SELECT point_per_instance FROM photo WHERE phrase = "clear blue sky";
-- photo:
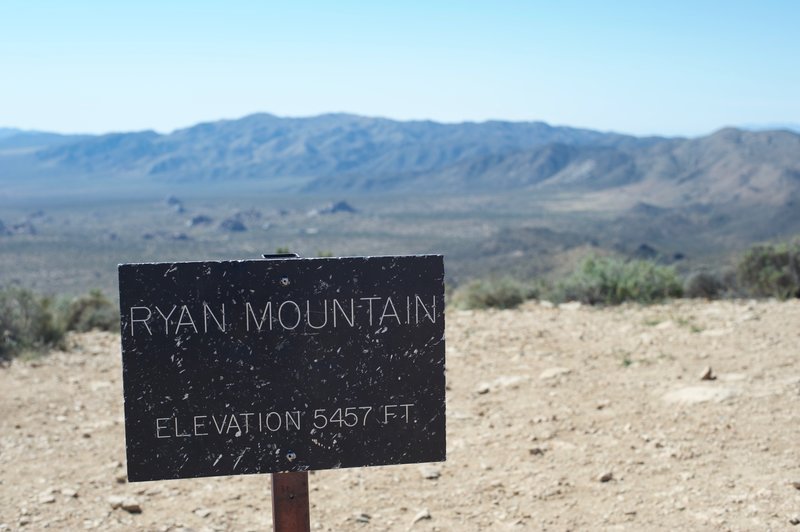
(676, 68)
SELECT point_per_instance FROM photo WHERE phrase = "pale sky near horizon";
(676, 68)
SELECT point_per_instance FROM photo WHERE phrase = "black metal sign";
(264, 366)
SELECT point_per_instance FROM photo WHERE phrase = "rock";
(482, 388)
(115, 501)
(708, 374)
(24, 228)
(645, 252)
(795, 520)
(46, 498)
(131, 506)
(507, 381)
(232, 225)
(795, 484)
(362, 517)
(572, 305)
(251, 215)
(606, 477)
(202, 512)
(552, 373)
(128, 504)
(200, 219)
(699, 394)
(121, 478)
(546, 304)
(69, 492)
(536, 451)
(337, 207)
(429, 472)
(421, 515)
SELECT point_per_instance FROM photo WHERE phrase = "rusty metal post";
(290, 510)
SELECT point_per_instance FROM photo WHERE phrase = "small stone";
(24, 520)
(69, 492)
(536, 451)
(606, 477)
(421, 515)
(362, 517)
(795, 520)
(430, 472)
(46, 498)
(708, 374)
(202, 512)
(552, 373)
(115, 501)
(700, 394)
(482, 388)
(121, 478)
(131, 506)
(795, 484)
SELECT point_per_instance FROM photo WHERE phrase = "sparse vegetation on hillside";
(596, 281)
(503, 293)
(91, 311)
(28, 322)
(610, 281)
(704, 285)
(31, 323)
(771, 271)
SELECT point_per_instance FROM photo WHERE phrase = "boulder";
(200, 219)
(338, 207)
(232, 225)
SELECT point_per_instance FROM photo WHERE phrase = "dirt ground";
(569, 418)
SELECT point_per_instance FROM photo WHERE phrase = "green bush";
(703, 285)
(612, 281)
(91, 311)
(28, 322)
(501, 293)
(771, 271)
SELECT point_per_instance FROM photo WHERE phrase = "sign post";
(290, 504)
(282, 366)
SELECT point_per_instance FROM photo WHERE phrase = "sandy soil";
(568, 418)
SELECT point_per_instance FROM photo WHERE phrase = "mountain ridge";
(338, 152)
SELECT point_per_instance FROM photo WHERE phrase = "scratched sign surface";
(262, 366)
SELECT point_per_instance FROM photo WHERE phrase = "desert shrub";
(91, 311)
(771, 271)
(612, 281)
(703, 285)
(28, 322)
(501, 293)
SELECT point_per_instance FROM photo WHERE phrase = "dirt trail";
(568, 418)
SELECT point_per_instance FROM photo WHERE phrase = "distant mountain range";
(338, 153)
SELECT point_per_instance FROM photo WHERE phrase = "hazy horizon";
(749, 126)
